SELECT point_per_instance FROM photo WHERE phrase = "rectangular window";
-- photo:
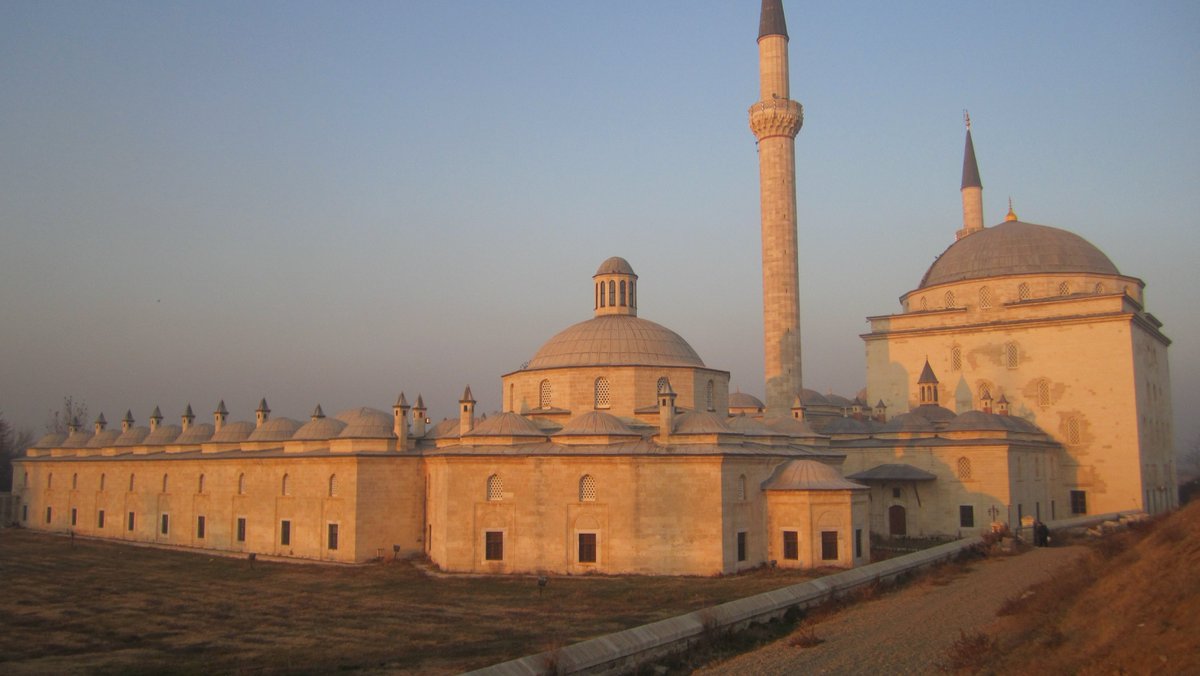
(829, 545)
(241, 529)
(791, 545)
(24, 512)
(49, 514)
(200, 528)
(165, 527)
(1037, 511)
(285, 533)
(333, 536)
(966, 516)
(73, 515)
(587, 547)
(1079, 502)
(131, 521)
(1020, 514)
(100, 519)
(1051, 510)
(493, 545)
(742, 546)
(858, 543)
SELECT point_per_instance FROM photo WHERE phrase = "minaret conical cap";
(317, 413)
(262, 406)
(970, 174)
(401, 401)
(771, 21)
(156, 415)
(467, 395)
(927, 376)
(128, 417)
(221, 408)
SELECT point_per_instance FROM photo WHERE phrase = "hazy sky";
(333, 202)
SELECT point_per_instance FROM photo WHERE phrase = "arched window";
(623, 293)
(495, 488)
(602, 399)
(1012, 355)
(612, 293)
(1064, 289)
(1099, 288)
(956, 358)
(74, 481)
(50, 480)
(708, 395)
(985, 298)
(1023, 291)
(964, 468)
(587, 488)
(632, 294)
(241, 484)
(103, 480)
(597, 290)
(1043, 392)
(741, 487)
(131, 482)
(600, 291)
(164, 490)
(544, 393)
(284, 487)
(949, 299)
(25, 481)
(1073, 430)
(662, 384)
(200, 484)
(333, 485)
(924, 303)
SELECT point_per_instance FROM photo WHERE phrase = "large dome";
(616, 340)
(1017, 248)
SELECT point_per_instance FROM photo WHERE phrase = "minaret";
(775, 121)
(972, 188)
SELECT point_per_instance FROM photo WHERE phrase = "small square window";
(791, 545)
(1079, 502)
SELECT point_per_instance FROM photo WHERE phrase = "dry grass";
(1132, 606)
(103, 607)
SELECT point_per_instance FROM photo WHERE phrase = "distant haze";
(333, 202)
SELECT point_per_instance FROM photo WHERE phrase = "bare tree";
(58, 422)
(12, 444)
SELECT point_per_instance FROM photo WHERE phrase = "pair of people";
(1041, 534)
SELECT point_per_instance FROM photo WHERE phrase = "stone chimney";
(466, 412)
(127, 421)
(317, 414)
(100, 423)
(797, 408)
(1002, 405)
(155, 418)
(666, 412)
(400, 423)
(881, 412)
(419, 411)
(985, 402)
(186, 420)
(262, 413)
(219, 416)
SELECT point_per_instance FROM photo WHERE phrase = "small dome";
(51, 440)
(596, 423)
(275, 429)
(792, 427)
(616, 340)
(165, 434)
(838, 400)
(847, 426)
(934, 414)
(78, 439)
(133, 436)
(321, 428)
(506, 425)
(446, 429)
(700, 423)
(751, 427)
(104, 439)
(1017, 248)
(234, 431)
(813, 398)
(808, 475)
(978, 420)
(615, 265)
(195, 434)
(743, 400)
(908, 422)
(366, 423)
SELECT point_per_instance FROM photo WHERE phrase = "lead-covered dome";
(616, 340)
(1017, 248)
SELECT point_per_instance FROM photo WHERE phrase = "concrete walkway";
(907, 632)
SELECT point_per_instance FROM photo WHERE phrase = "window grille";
(966, 516)
(333, 491)
(623, 302)
(708, 395)
(587, 547)
(612, 294)
(1043, 392)
(949, 299)
(829, 545)
(332, 541)
(1073, 431)
(544, 394)
(741, 487)
(924, 303)
(1064, 289)
(493, 545)
(495, 488)
(1099, 289)
(985, 298)
(964, 468)
(587, 488)
(662, 384)
(1012, 355)
(1023, 291)
(602, 393)
(956, 358)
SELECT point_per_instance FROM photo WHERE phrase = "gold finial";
(967, 119)
(1012, 216)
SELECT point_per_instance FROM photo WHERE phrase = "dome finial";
(1012, 215)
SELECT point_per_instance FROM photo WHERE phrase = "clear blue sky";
(333, 202)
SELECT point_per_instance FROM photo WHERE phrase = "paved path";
(907, 632)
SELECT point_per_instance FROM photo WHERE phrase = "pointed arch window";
(1012, 355)
(708, 395)
(284, 488)
(612, 293)
(495, 488)
(633, 294)
(587, 488)
(956, 358)
(200, 484)
(623, 301)
(165, 483)
(600, 293)
(1073, 431)
(985, 298)
(1043, 392)
(964, 468)
(241, 488)
(333, 487)
(1023, 291)
(662, 384)
(602, 394)
(949, 299)
(544, 394)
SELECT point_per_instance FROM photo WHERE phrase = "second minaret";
(775, 120)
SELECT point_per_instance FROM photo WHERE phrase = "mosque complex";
(1022, 378)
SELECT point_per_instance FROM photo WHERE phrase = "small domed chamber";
(134, 436)
(596, 427)
(366, 423)
(234, 432)
(808, 475)
(751, 427)
(748, 404)
(702, 422)
(275, 429)
(907, 423)
(319, 429)
(503, 429)
(615, 288)
(104, 439)
(196, 433)
(163, 435)
(51, 440)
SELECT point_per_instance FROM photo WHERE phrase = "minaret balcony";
(776, 117)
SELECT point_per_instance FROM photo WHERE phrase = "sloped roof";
(892, 472)
(808, 475)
